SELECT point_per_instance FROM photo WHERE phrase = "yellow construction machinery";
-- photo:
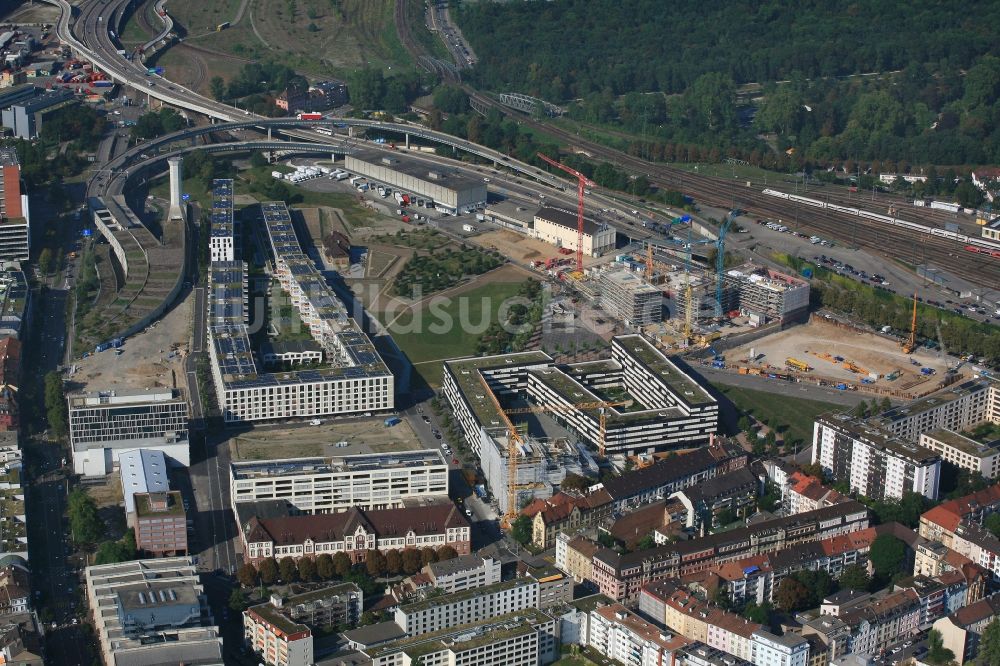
(795, 363)
(911, 344)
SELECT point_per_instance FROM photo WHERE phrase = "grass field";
(419, 335)
(794, 416)
(315, 36)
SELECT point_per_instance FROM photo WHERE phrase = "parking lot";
(332, 437)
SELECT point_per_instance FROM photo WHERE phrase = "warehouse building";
(24, 117)
(451, 191)
(353, 377)
(630, 299)
(874, 462)
(774, 295)
(222, 241)
(559, 227)
(105, 424)
(15, 218)
(331, 485)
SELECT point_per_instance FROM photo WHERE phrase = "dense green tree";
(288, 571)
(393, 563)
(111, 552)
(85, 523)
(521, 530)
(375, 563)
(324, 567)
(45, 261)
(55, 404)
(268, 571)
(989, 644)
(307, 569)
(761, 614)
(937, 653)
(887, 555)
(854, 577)
(428, 555)
(217, 87)
(247, 575)
(411, 561)
(446, 553)
(792, 595)
(341, 564)
(237, 601)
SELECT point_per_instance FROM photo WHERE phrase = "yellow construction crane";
(601, 406)
(911, 344)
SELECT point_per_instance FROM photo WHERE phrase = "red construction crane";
(582, 183)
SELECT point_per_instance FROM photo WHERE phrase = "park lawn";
(794, 416)
(426, 348)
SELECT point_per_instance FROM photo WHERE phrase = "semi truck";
(310, 116)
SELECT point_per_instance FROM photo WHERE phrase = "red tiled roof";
(941, 515)
(949, 514)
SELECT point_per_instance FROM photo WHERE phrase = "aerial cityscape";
(499, 333)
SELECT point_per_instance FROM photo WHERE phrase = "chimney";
(176, 200)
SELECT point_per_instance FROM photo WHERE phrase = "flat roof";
(466, 374)
(628, 281)
(142, 471)
(567, 219)
(935, 400)
(175, 505)
(963, 443)
(339, 464)
(865, 431)
(221, 215)
(433, 174)
(685, 386)
(521, 211)
(457, 597)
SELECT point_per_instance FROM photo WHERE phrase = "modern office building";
(630, 299)
(160, 524)
(152, 612)
(222, 238)
(527, 637)
(874, 462)
(451, 191)
(473, 605)
(331, 485)
(957, 408)
(352, 379)
(421, 525)
(15, 218)
(141, 471)
(774, 295)
(964, 452)
(280, 630)
(104, 424)
(559, 227)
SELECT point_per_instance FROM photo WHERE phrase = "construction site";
(825, 351)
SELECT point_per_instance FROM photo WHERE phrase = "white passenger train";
(990, 246)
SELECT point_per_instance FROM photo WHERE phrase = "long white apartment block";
(473, 605)
(874, 462)
(222, 237)
(957, 408)
(352, 378)
(332, 485)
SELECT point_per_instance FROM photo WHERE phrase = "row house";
(962, 630)
(940, 522)
(867, 627)
(564, 511)
(620, 576)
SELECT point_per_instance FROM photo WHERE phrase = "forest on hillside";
(671, 73)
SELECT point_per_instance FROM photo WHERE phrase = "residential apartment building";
(15, 217)
(786, 650)
(353, 378)
(521, 638)
(575, 556)
(280, 631)
(424, 525)
(681, 611)
(957, 408)
(964, 452)
(734, 492)
(619, 634)
(152, 612)
(620, 576)
(222, 238)
(875, 463)
(630, 299)
(474, 605)
(160, 524)
(559, 227)
(807, 493)
(980, 546)
(676, 410)
(700, 654)
(330, 485)
(466, 572)
(962, 630)
(940, 522)
(104, 424)
(563, 511)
